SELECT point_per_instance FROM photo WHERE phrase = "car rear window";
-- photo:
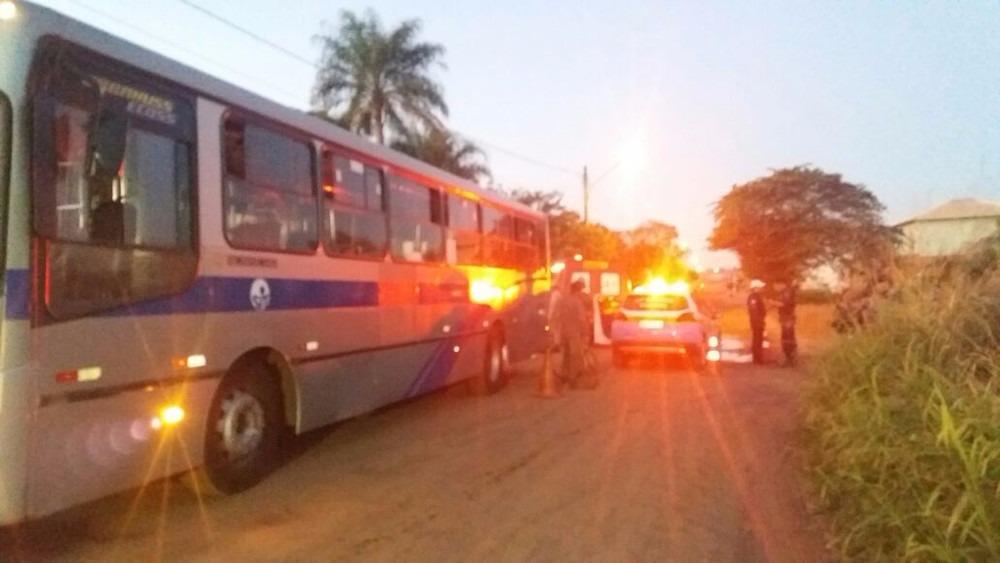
(656, 303)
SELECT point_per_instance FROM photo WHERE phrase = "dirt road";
(655, 465)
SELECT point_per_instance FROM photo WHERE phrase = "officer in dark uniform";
(786, 318)
(573, 326)
(757, 311)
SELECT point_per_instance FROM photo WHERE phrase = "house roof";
(962, 208)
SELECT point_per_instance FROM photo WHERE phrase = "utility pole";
(586, 196)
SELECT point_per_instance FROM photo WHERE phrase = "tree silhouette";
(375, 82)
(797, 219)
(446, 151)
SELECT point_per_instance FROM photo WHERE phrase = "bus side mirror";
(108, 145)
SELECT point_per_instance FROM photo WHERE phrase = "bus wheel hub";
(241, 424)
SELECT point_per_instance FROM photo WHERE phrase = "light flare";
(8, 10)
(660, 286)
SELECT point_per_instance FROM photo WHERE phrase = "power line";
(183, 49)
(249, 33)
(299, 58)
(289, 53)
(522, 157)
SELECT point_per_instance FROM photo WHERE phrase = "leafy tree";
(654, 233)
(652, 249)
(797, 219)
(447, 151)
(375, 81)
(569, 235)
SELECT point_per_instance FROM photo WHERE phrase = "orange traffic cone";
(548, 387)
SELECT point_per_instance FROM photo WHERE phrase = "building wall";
(945, 236)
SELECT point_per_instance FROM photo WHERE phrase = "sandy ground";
(657, 464)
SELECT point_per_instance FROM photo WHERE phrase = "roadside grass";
(903, 421)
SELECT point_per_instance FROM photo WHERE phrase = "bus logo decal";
(260, 294)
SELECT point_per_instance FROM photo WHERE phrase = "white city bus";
(190, 271)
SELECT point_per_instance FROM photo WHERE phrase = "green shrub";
(904, 421)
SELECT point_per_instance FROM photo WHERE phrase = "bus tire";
(494, 374)
(244, 429)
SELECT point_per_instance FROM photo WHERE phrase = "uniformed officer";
(573, 327)
(786, 318)
(757, 311)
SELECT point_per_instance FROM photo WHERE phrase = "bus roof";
(48, 22)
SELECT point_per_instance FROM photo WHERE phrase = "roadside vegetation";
(904, 421)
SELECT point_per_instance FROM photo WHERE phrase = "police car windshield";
(656, 303)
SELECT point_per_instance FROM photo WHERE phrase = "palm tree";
(442, 148)
(376, 82)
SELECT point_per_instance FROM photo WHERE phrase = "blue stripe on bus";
(232, 294)
(17, 294)
(438, 366)
(224, 294)
(435, 371)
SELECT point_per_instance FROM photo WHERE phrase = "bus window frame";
(435, 192)
(332, 151)
(476, 230)
(248, 118)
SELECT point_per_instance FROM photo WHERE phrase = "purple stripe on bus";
(232, 294)
(17, 294)
(223, 294)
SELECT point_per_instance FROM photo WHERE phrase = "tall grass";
(904, 421)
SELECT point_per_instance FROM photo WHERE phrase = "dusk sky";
(901, 96)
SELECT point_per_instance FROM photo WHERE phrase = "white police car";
(662, 318)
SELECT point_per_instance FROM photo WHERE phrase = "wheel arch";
(281, 374)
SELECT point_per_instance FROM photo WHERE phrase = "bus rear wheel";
(494, 374)
(243, 436)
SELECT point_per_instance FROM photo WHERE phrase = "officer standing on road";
(757, 311)
(786, 318)
(573, 325)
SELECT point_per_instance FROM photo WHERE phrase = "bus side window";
(498, 238)
(72, 201)
(463, 223)
(526, 252)
(416, 219)
(353, 222)
(269, 196)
